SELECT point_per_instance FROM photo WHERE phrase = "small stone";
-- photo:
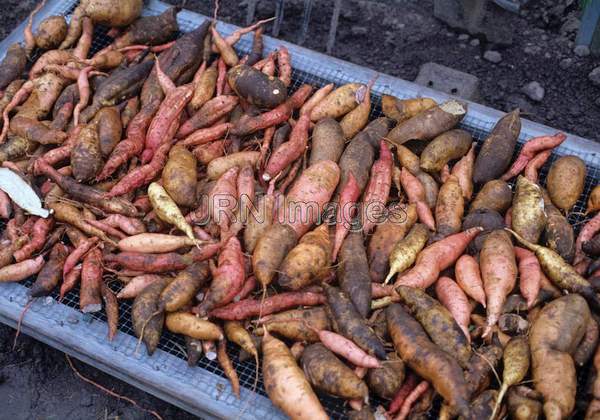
(544, 37)
(463, 37)
(532, 49)
(72, 319)
(359, 30)
(582, 51)
(463, 46)
(547, 55)
(474, 42)
(477, 57)
(550, 115)
(594, 76)
(565, 63)
(534, 91)
(492, 56)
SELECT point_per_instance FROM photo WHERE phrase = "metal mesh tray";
(203, 390)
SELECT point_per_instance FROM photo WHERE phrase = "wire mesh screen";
(316, 75)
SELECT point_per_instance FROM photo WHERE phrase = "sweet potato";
(86, 156)
(12, 65)
(308, 261)
(353, 273)
(339, 102)
(438, 322)
(110, 129)
(378, 189)
(111, 306)
(308, 195)
(21, 270)
(40, 231)
(469, 278)
(91, 282)
(327, 141)
(565, 181)
(237, 334)
(51, 273)
(210, 113)
(424, 357)
(449, 208)
(554, 337)
(270, 251)
(15, 147)
(402, 109)
(497, 150)
(167, 210)
(286, 384)
(587, 232)
(350, 324)
(327, 373)
(51, 32)
(532, 168)
(454, 299)
(530, 274)
(184, 287)
(531, 149)
(593, 202)
(416, 194)
(523, 403)
(70, 214)
(192, 326)
(528, 215)
(448, 146)
(591, 247)
(179, 176)
(494, 195)
(217, 167)
(259, 220)
(256, 87)
(150, 30)
(560, 272)
(204, 89)
(136, 285)
(498, 272)
(387, 380)
(289, 151)
(489, 220)
(297, 324)
(588, 344)
(430, 123)
(405, 251)
(435, 258)
(355, 120)
(357, 158)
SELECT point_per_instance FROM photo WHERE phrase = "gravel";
(492, 56)
(534, 91)
(594, 76)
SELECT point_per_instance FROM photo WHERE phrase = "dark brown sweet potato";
(327, 141)
(179, 176)
(150, 30)
(494, 195)
(12, 65)
(184, 287)
(297, 324)
(488, 219)
(86, 156)
(353, 273)
(51, 273)
(108, 121)
(256, 87)
(387, 380)
(558, 233)
(143, 313)
(447, 146)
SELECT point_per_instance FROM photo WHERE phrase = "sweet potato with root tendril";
(327, 373)
(416, 194)
(353, 273)
(86, 156)
(248, 308)
(270, 251)
(494, 195)
(289, 151)
(437, 257)
(347, 209)
(21, 270)
(167, 210)
(530, 274)
(438, 322)
(256, 87)
(237, 334)
(498, 272)
(39, 235)
(378, 189)
(402, 109)
(297, 324)
(553, 339)
(308, 195)
(286, 384)
(523, 403)
(430, 123)
(67, 213)
(454, 299)
(424, 357)
(91, 282)
(228, 54)
(531, 149)
(468, 278)
(308, 261)
(51, 273)
(192, 326)
(179, 176)
(449, 208)
(227, 278)
(349, 323)
(210, 113)
(147, 321)
(528, 215)
(12, 65)
(338, 103)
(150, 30)
(204, 89)
(405, 250)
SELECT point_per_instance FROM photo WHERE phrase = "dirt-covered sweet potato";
(494, 195)
(339, 102)
(528, 215)
(51, 32)
(497, 150)
(430, 123)
(558, 233)
(424, 357)
(256, 87)
(150, 30)
(110, 129)
(387, 380)
(449, 208)
(328, 373)
(179, 176)
(297, 324)
(488, 219)
(447, 146)
(353, 272)
(308, 261)
(565, 181)
(402, 109)
(86, 156)
(524, 403)
(270, 251)
(144, 314)
(12, 65)
(327, 141)
(554, 337)
(357, 158)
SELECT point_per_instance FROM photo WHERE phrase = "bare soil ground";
(393, 37)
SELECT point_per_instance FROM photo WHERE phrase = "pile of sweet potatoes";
(349, 257)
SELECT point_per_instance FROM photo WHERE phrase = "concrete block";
(449, 80)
